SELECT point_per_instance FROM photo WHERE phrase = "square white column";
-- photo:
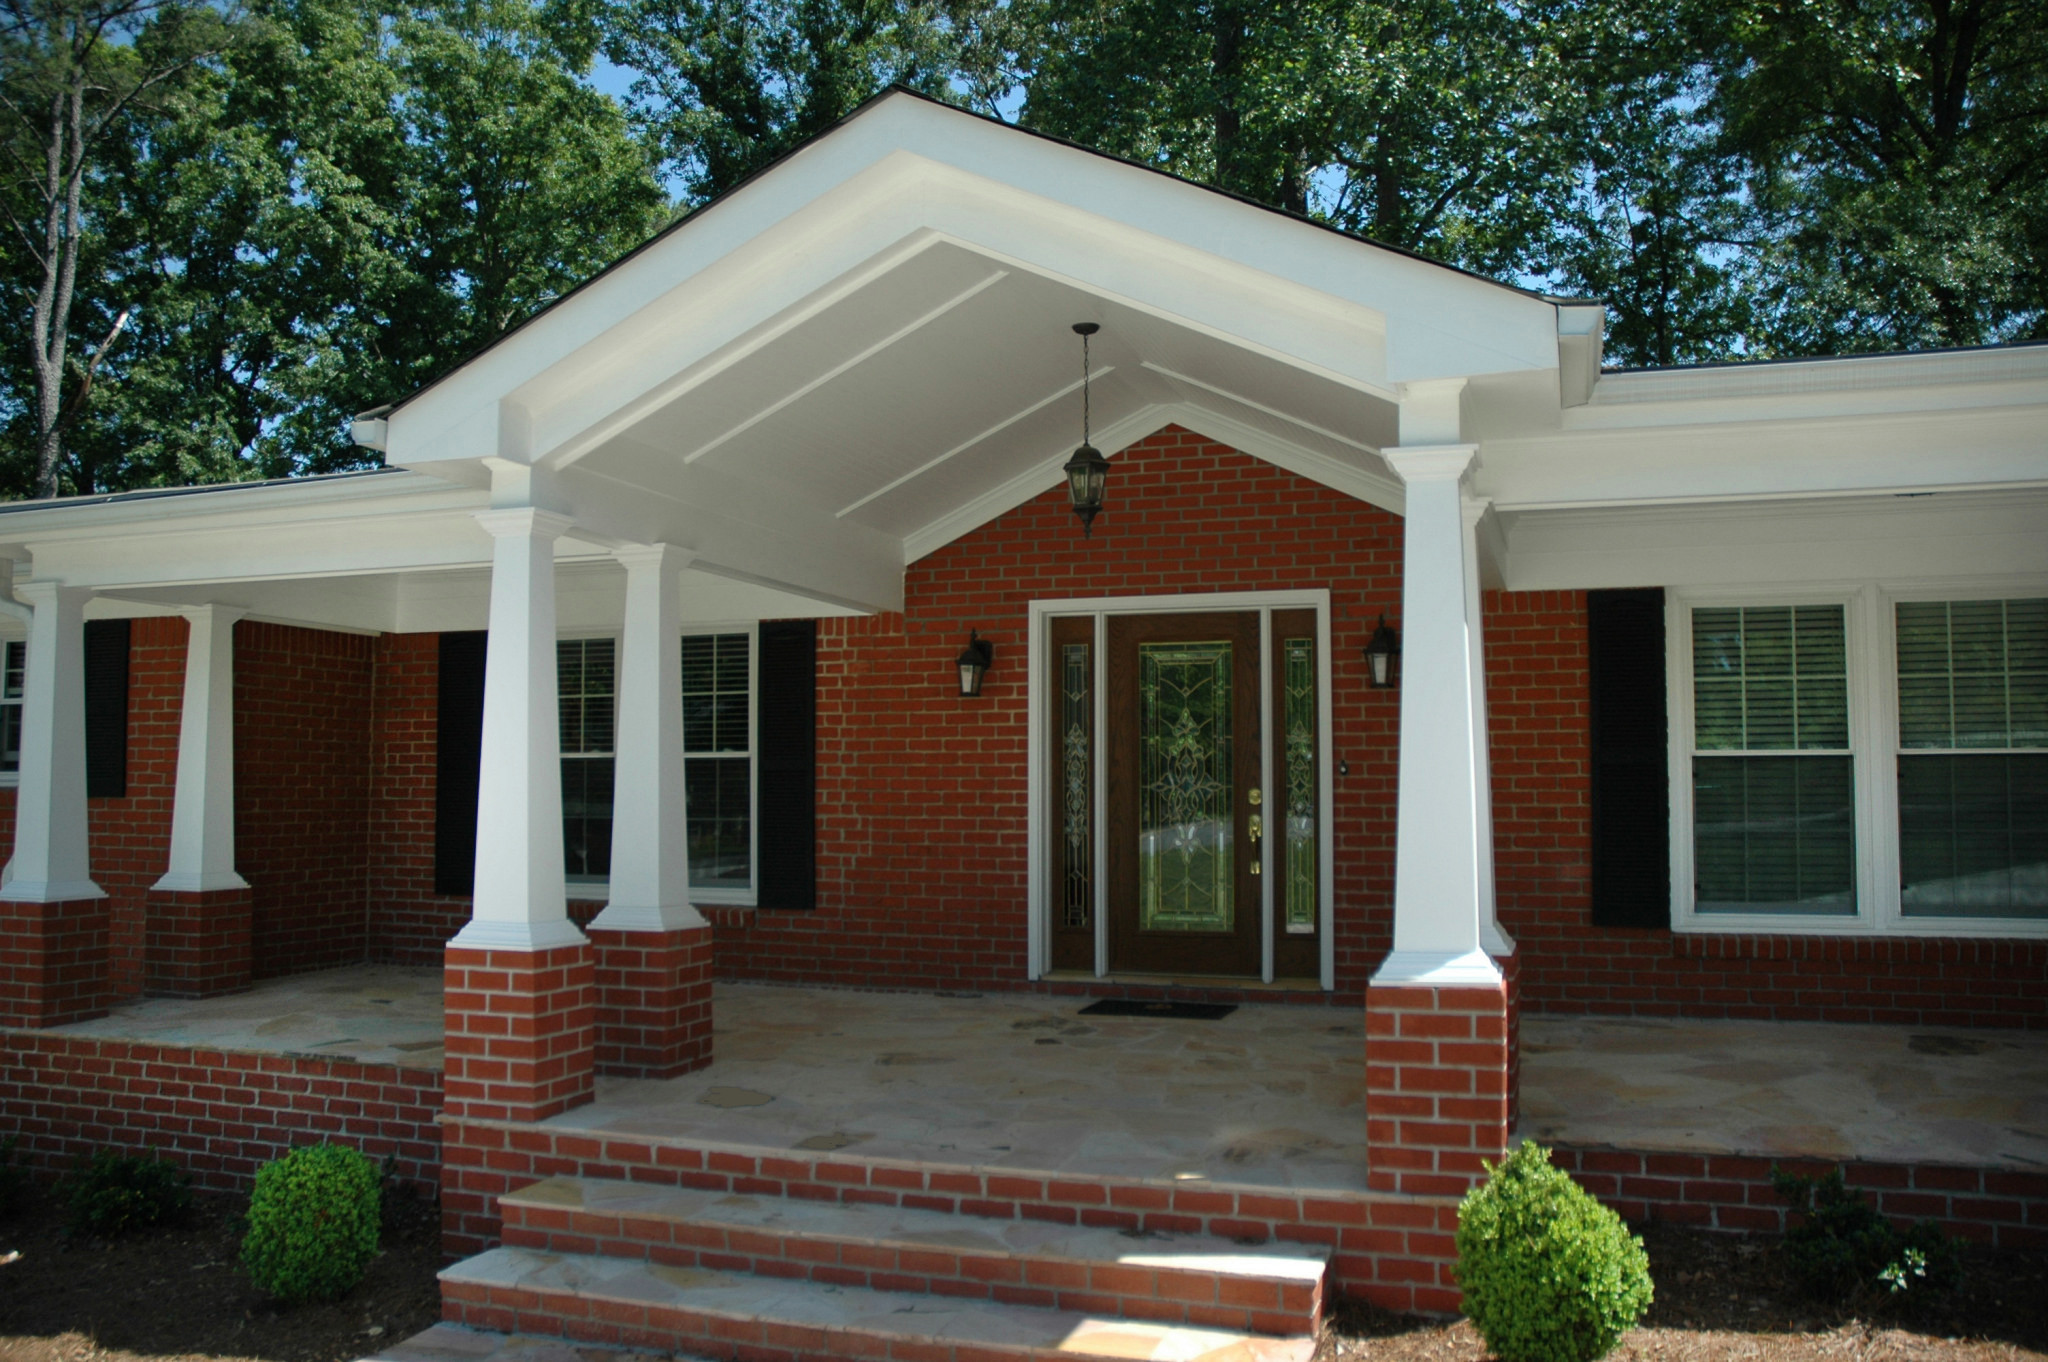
(1443, 834)
(52, 860)
(520, 900)
(203, 817)
(650, 874)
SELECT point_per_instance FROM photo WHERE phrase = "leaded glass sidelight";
(1077, 786)
(1185, 788)
(1298, 723)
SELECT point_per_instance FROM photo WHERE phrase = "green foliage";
(112, 1194)
(1842, 1249)
(1549, 1274)
(313, 1222)
(13, 1177)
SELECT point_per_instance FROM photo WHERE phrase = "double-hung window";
(718, 764)
(13, 675)
(586, 682)
(1873, 763)
(1973, 758)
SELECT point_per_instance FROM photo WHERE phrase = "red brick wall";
(921, 795)
(1536, 700)
(218, 1115)
(408, 921)
(302, 785)
(131, 836)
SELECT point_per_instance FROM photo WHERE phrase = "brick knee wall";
(521, 1031)
(220, 1115)
(1436, 1086)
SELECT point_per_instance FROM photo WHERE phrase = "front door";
(1187, 809)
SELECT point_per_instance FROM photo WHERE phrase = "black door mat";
(1131, 1007)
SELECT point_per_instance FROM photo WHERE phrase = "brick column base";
(197, 943)
(653, 1001)
(53, 962)
(1437, 1066)
(1510, 967)
(520, 1029)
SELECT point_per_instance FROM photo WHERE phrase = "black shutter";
(787, 731)
(106, 708)
(1631, 790)
(458, 752)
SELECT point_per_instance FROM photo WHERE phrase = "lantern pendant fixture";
(1087, 472)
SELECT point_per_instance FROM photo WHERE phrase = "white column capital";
(660, 557)
(1431, 463)
(219, 614)
(504, 522)
(45, 592)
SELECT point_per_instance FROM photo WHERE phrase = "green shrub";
(13, 1178)
(312, 1223)
(111, 1194)
(1549, 1274)
(1841, 1249)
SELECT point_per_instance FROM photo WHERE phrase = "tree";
(727, 86)
(75, 76)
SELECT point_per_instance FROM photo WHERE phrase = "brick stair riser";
(633, 1324)
(1161, 1295)
(1393, 1250)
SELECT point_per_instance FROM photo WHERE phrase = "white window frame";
(1870, 621)
(1041, 792)
(589, 888)
(750, 896)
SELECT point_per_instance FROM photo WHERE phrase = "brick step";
(1266, 1288)
(636, 1303)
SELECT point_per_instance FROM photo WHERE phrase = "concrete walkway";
(1270, 1094)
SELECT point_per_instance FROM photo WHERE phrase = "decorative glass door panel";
(1296, 780)
(1183, 749)
(1185, 789)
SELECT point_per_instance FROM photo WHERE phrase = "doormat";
(1130, 1007)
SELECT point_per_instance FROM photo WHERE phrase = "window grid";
(718, 760)
(586, 681)
(13, 677)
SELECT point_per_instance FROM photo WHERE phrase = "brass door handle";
(1258, 828)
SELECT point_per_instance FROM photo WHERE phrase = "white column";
(203, 816)
(1442, 821)
(51, 861)
(650, 875)
(520, 898)
(1496, 942)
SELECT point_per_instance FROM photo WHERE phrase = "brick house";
(1720, 692)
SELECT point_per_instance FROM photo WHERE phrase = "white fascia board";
(1947, 536)
(1855, 379)
(2000, 446)
(906, 167)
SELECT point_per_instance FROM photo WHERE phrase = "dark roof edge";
(1819, 359)
(154, 493)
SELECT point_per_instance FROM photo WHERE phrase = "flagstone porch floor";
(1268, 1096)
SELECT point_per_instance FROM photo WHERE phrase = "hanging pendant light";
(1087, 472)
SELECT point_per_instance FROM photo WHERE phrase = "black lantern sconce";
(1382, 654)
(974, 662)
(1087, 472)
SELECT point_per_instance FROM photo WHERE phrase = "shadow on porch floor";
(1267, 1096)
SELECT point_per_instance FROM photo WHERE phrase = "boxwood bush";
(1841, 1249)
(111, 1194)
(1549, 1274)
(313, 1222)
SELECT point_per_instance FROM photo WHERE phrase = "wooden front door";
(1187, 807)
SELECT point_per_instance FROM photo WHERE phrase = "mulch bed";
(180, 1291)
(1723, 1297)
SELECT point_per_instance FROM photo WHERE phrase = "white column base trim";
(61, 891)
(195, 882)
(482, 934)
(1440, 969)
(1495, 941)
(667, 917)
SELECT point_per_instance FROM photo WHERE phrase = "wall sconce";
(1381, 655)
(974, 662)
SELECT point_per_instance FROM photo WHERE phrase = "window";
(13, 669)
(586, 679)
(1973, 758)
(1875, 763)
(718, 763)
(1772, 774)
